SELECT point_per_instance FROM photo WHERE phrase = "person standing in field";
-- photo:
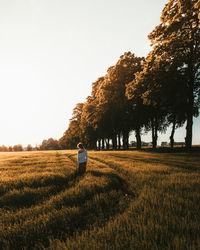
(82, 158)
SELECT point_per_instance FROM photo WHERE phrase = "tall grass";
(126, 200)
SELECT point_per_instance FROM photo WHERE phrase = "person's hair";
(80, 145)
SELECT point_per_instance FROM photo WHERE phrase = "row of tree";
(17, 147)
(50, 144)
(149, 93)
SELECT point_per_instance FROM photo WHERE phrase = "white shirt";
(82, 156)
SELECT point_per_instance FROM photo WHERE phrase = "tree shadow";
(193, 150)
(95, 206)
(166, 160)
(117, 182)
(18, 200)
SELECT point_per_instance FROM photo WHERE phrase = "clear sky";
(52, 50)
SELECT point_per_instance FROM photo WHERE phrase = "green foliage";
(126, 200)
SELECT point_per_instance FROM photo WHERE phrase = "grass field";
(126, 200)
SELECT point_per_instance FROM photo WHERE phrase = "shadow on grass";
(117, 183)
(84, 194)
(92, 207)
(14, 197)
(96, 212)
(166, 160)
(193, 150)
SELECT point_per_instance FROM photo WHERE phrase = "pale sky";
(52, 50)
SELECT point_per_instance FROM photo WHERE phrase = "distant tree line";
(49, 144)
(15, 148)
(149, 93)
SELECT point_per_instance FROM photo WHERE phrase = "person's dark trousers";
(82, 168)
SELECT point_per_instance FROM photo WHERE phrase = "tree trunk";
(107, 143)
(172, 133)
(103, 144)
(94, 146)
(114, 142)
(124, 140)
(138, 138)
(188, 138)
(154, 132)
(99, 144)
(119, 141)
(191, 74)
(127, 141)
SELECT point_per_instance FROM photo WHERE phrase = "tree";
(17, 147)
(50, 144)
(107, 113)
(88, 122)
(177, 41)
(112, 99)
(29, 147)
(148, 113)
(162, 89)
(72, 135)
(3, 148)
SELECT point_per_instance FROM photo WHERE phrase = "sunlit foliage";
(146, 94)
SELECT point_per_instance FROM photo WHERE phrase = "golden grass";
(126, 200)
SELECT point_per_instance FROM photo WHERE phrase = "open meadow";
(126, 200)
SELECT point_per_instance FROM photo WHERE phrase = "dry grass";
(126, 200)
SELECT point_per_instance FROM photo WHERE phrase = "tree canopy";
(149, 93)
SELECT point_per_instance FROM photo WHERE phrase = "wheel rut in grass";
(124, 175)
(121, 175)
(31, 192)
(71, 157)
